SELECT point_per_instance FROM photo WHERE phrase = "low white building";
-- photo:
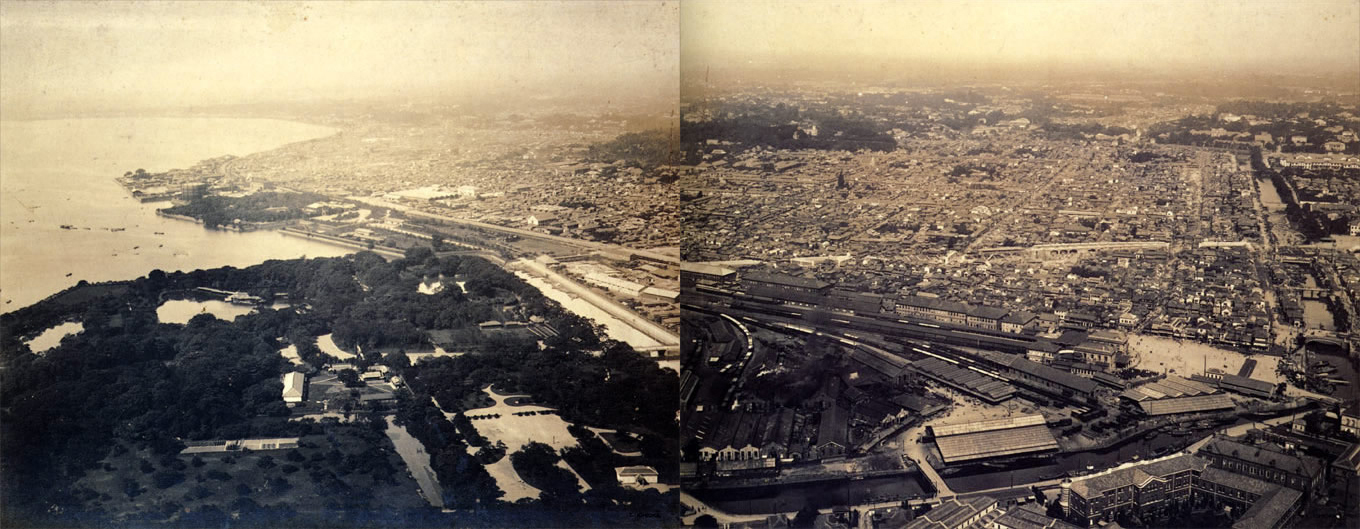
(294, 387)
(636, 475)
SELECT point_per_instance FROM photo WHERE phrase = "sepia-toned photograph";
(339, 264)
(1005, 265)
(918, 264)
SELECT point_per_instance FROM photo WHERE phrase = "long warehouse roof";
(945, 430)
(996, 443)
(1217, 401)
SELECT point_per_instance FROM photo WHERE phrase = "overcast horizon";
(77, 57)
(978, 39)
(60, 56)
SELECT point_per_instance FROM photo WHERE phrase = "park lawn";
(519, 430)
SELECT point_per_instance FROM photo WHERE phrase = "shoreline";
(664, 338)
(289, 231)
(158, 115)
(665, 344)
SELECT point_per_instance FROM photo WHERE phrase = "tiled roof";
(996, 443)
(1235, 481)
(945, 430)
(784, 280)
(1263, 455)
(1137, 474)
(933, 303)
(1023, 365)
(1266, 512)
(952, 513)
(1201, 403)
(1029, 517)
(1248, 383)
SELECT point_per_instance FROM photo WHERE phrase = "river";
(56, 172)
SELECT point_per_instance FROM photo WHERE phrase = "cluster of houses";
(758, 436)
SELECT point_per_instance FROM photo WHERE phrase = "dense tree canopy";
(146, 384)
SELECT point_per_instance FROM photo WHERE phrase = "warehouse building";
(1247, 386)
(1196, 404)
(1011, 436)
(1169, 387)
(1020, 370)
(785, 283)
(987, 388)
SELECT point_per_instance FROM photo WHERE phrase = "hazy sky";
(72, 55)
(163, 53)
(1207, 36)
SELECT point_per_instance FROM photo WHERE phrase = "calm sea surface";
(61, 172)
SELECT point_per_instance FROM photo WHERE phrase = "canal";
(1345, 369)
(820, 495)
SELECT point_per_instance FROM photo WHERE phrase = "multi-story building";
(1018, 321)
(786, 283)
(1031, 516)
(933, 309)
(1262, 505)
(1350, 417)
(1176, 483)
(1115, 340)
(1097, 353)
(1265, 462)
(956, 514)
(1144, 489)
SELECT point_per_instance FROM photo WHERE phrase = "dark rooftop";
(785, 280)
